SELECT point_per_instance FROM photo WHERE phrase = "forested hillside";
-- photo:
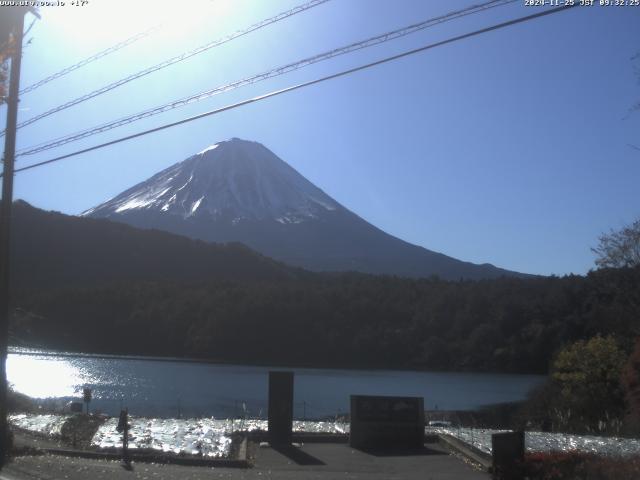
(50, 249)
(508, 325)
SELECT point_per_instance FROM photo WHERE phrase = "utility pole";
(5, 217)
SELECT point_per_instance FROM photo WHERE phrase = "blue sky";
(511, 148)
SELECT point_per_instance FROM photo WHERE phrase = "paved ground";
(312, 461)
(22, 438)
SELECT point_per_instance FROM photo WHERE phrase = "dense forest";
(98, 286)
(49, 249)
(505, 325)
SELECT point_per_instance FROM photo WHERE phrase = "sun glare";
(100, 23)
(42, 377)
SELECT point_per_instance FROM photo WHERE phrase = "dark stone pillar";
(280, 407)
(508, 452)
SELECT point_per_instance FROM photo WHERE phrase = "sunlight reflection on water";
(44, 377)
(167, 388)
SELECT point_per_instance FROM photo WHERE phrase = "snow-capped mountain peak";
(239, 191)
(233, 180)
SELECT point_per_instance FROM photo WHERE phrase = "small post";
(125, 441)
(123, 426)
(86, 395)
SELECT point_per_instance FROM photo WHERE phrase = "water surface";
(150, 387)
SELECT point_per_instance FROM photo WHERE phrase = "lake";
(174, 388)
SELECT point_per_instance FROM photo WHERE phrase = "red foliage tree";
(631, 385)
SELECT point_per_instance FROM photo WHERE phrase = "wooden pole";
(5, 222)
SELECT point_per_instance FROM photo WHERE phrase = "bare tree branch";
(618, 249)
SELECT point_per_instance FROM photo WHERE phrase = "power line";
(92, 58)
(305, 84)
(275, 72)
(174, 60)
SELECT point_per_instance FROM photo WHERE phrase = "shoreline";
(48, 352)
(84, 436)
(81, 435)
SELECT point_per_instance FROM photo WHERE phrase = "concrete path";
(312, 461)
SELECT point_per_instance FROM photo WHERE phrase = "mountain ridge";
(237, 190)
(248, 179)
(53, 249)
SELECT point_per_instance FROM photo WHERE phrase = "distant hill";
(238, 190)
(52, 249)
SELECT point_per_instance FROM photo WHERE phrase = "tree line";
(351, 319)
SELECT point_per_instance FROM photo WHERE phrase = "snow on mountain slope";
(239, 191)
(235, 179)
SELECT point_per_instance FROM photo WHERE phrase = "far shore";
(50, 352)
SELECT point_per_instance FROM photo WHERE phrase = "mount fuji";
(237, 190)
